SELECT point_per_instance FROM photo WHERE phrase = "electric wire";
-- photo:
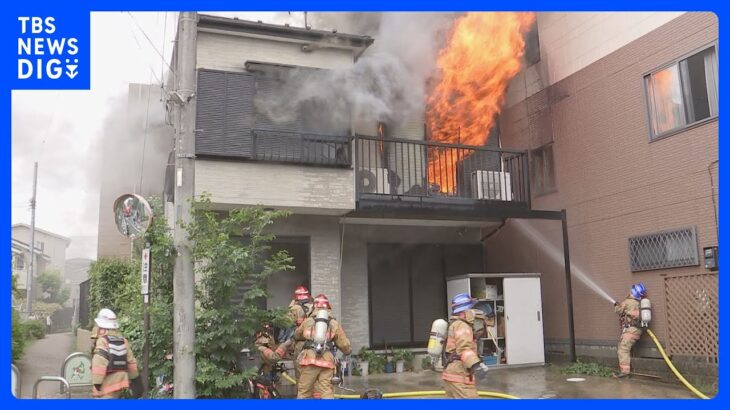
(144, 33)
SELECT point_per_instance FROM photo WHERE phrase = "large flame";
(483, 53)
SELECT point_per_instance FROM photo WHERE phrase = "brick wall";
(613, 182)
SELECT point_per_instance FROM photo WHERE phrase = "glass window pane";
(666, 104)
(698, 98)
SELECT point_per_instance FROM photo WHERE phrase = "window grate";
(662, 250)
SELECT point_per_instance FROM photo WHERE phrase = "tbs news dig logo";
(42, 54)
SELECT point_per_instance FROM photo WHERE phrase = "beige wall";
(302, 189)
(53, 246)
(572, 41)
(613, 182)
(230, 52)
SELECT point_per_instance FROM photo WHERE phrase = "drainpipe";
(568, 285)
(712, 195)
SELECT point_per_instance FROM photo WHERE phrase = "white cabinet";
(517, 335)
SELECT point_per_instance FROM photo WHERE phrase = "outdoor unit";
(494, 185)
(374, 181)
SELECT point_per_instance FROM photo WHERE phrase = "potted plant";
(364, 356)
(402, 356)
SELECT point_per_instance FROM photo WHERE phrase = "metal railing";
(301, 148)
(406, 168)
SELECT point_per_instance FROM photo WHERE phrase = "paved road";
(44, 357)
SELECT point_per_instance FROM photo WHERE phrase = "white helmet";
(106, 319)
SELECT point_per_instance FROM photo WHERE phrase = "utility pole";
(184, 276)
(31, 265)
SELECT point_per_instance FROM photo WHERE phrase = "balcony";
(301, 148)
(400, 177)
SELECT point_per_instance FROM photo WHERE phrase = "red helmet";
(321, 302)
(301, 293)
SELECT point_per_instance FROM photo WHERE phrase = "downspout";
(568, 285)
(712, 195)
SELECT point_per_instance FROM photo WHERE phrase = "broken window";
(682, 93)
(543, 170)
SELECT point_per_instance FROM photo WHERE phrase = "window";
(662, 250)
(542, 169)
(683, 93)
(18, 262)
(532, 46)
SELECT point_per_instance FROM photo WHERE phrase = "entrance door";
(523, 321)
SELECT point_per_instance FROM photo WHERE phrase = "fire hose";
(674, 369)
(410, 393)
(426, 393)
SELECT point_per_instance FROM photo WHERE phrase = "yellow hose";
(288, 378)
(674, 369)
(426, 393)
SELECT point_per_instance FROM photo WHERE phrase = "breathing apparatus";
(321, 324)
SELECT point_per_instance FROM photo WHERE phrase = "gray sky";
(62, 129)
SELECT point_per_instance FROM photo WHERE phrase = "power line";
(152, 69)
(164, 38)
(149, 40)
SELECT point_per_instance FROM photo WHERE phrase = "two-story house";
(380, 217)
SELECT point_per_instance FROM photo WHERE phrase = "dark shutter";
(225, 113)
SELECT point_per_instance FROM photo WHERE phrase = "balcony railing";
(301, 148)
(400, 168)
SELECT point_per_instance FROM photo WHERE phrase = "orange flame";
(483, 54)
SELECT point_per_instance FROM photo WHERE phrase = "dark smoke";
(386, 84)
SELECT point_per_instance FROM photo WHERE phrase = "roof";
(43, 231)
(21, 247)
(310, 37)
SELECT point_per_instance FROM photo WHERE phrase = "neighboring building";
(137, 142)
(620, 117)
(49, 243)
(77, 271)
(371, 228)
(21, 261)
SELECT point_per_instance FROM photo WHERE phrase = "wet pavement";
(44, 357)
(529, 382)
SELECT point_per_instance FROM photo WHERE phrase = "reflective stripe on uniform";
(313, 361)
(132, 367)
(466, 354)
(98, 370)
(280, 351)
(457, 378)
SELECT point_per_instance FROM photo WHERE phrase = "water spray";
(556, 257)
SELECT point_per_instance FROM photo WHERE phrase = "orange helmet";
(321, 302)
(301, 293)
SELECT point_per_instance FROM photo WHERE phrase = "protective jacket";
(461, 352)
(113, 364)
(630, 316)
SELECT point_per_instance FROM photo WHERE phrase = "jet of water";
(557, 257)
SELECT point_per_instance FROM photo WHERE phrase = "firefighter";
(299, 309)
(630, 317)
(113, 364)
(270, 354)
(321, 333)
(462, 364)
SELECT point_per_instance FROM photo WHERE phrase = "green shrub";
(590, 369)
(19, 336)
(426, 362)
(35, 329)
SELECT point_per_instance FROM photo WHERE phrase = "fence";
(692, 315)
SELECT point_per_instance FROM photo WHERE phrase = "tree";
(233, 259)
(52, 288)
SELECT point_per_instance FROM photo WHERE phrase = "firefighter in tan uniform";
(299, 309)
(463, 365)
(113, 364)
(630, 317)
(321, 333)
(270, 353)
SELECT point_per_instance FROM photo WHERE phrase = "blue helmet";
(638, 291)
(462, 302)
